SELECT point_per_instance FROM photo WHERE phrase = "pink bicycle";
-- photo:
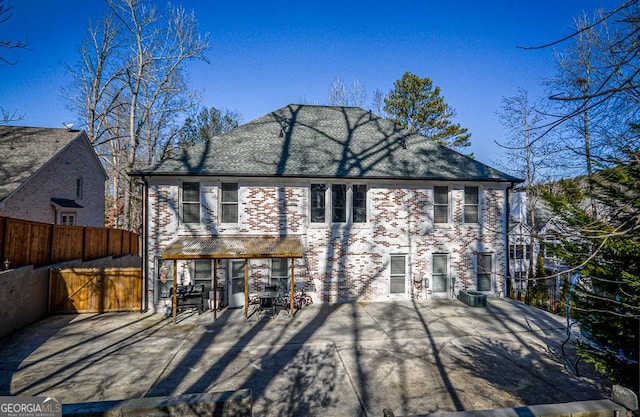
(300, 300)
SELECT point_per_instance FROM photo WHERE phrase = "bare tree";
(598, 89)
(129, 90)
(527, 153)
(358, 94)
(377, 102)
(5, 15)
(338, 93)
(577, 76)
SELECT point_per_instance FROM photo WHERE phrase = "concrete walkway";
(329, 360)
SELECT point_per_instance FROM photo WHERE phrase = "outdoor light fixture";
(6, 263)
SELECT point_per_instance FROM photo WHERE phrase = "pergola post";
(292, 289)
(174, 301)
(246, 288)
(215, 289)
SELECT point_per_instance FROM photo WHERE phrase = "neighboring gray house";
(526, 244)
(50, 175)
(357, 208)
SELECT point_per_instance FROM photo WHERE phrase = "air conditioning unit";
(473, 298)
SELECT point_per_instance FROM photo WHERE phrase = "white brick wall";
(348, 262)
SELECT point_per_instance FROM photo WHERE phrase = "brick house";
(50, 175)
(349, 206)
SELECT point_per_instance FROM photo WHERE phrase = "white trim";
(182, 202)
(445, 293)
(61, 214)
(407, 283)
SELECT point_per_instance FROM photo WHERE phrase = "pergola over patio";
(233, 247)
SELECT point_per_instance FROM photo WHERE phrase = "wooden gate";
(94, 290)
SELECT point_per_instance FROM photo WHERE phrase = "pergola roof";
(235, 247)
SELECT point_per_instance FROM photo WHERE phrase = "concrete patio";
(354, 359)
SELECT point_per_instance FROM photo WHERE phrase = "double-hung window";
(280, 273)
(471, 204)
(202, 274)
(229, 203)
(191, 202)
(440, 204)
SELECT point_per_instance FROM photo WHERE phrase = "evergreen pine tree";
(607, 251)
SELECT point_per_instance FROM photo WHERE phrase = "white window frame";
(314, 204)
(64, 216)
(349, 203)
(489, 273)
(475, 205)
(352, 188)
(393, 275)
(79, 188)
(446, 273)
(199, 266)
(230, 203)
(520, 251)
(436, 204)
(184, 202)
(332, 206)
(280, 281)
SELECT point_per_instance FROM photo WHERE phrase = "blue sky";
(266, 55)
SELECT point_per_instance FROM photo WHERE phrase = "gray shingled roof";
(326, 142)
(24, 150)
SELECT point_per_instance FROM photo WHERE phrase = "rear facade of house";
(379, 213)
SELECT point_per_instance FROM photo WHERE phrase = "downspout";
(144, 306)
(506, 238)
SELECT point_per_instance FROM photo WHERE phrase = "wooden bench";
(189, 296)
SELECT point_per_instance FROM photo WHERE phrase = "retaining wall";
(24, 292)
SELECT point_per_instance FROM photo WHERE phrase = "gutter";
(506, 239)
(144, 301)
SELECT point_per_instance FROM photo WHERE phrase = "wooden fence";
(32, 243)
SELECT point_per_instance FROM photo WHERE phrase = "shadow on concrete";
(355, 359)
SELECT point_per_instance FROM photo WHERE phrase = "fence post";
(109, 253)
(52, 238)
(3, 241)
(84, 243)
